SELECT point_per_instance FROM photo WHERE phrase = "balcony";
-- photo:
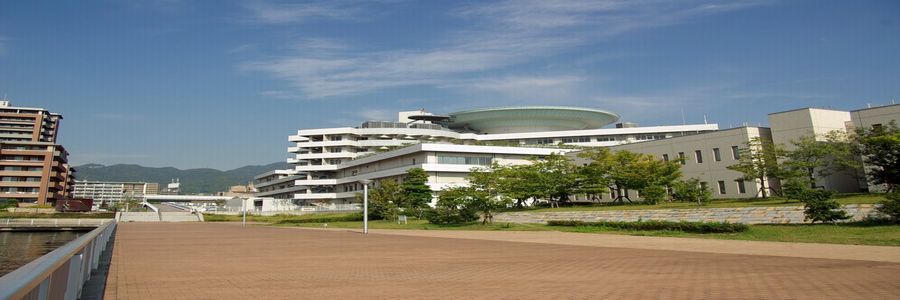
(316, 168)
(310, 182)
(304, 196)
(326, 155)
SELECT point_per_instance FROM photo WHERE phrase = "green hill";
(202, 180)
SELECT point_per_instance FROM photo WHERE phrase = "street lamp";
(365, 183)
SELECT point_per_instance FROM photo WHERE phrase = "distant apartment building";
(111, 191)
(33, 168)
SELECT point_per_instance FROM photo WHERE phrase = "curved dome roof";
(530, 119)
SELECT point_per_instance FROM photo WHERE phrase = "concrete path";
(227, 261)
(804, 250)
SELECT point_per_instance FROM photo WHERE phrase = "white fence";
(60, 274)
(24, 223)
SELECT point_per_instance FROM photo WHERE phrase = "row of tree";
(555, 178)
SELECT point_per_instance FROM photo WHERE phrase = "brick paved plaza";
(226, 261)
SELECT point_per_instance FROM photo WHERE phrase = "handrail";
(60, 274)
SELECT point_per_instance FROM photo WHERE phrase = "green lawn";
(716, 203)
(267, 219)
(854, 234)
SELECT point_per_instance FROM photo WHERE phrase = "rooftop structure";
(529, 119)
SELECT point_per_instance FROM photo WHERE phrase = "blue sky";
(222, 84)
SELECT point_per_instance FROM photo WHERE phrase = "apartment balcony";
(18, 195)
(328, 143)
(310, 182)
(325, 155)
(297, 138)
(316, 168)
(292, 160)
(305, 196)
(20, 183)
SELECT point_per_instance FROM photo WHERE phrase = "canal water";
(19, 248)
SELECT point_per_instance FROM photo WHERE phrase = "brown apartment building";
(33, 168)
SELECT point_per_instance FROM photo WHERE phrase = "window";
(716, 155)
(577, 139)
(336, 138)
(606, 138)
(741, 188)
(721, 187)
(464, 160)
(665, 157)
(699, 156)
(681, 157)
(735, 152)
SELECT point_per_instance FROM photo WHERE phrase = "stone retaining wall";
(746, 215)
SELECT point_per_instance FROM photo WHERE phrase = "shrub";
(690, 191)
(819, 205)
(795, 189)
(323, 219)
(694, 227)
(453, 207)
(653, 194)
(891, 206)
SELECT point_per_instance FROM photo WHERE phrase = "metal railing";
(52, 222)
(60, 274)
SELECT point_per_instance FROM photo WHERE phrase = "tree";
(819, 205)
(128, 202)
(453, 207)
(621, 171)
(417, 195)
(385, 200)
(556, 178)
(813, 157)
(484, 193)
(880, 148)
(891, 206)
(690, 191)
(517, 182)
(759, 162)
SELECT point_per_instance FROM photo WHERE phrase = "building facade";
(320, 155)
(113, 191)
(34, 170)
(874, 117)
(447, 165)
(707, 157)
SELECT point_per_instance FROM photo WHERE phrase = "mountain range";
(203, 180)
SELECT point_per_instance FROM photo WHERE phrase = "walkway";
(226, 261)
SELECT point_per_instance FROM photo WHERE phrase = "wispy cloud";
(504, 35)
(3, 43)
(288, 13)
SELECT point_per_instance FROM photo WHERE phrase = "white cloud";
(504, 35)
(287, 13)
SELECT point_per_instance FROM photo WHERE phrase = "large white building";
(324, 159)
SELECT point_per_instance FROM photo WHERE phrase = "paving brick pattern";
(225, 261)
(746, 215)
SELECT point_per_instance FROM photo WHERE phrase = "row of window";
(741, 186)
(698, 155)
(21, 168)
(22, 157)
(19, 179)
(464, 160)
(19, 190)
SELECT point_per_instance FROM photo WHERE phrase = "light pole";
(365, 183)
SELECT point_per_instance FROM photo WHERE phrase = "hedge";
(324, 219)
(695, 227)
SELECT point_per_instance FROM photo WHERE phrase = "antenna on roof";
(704, 119)
(683, 122)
